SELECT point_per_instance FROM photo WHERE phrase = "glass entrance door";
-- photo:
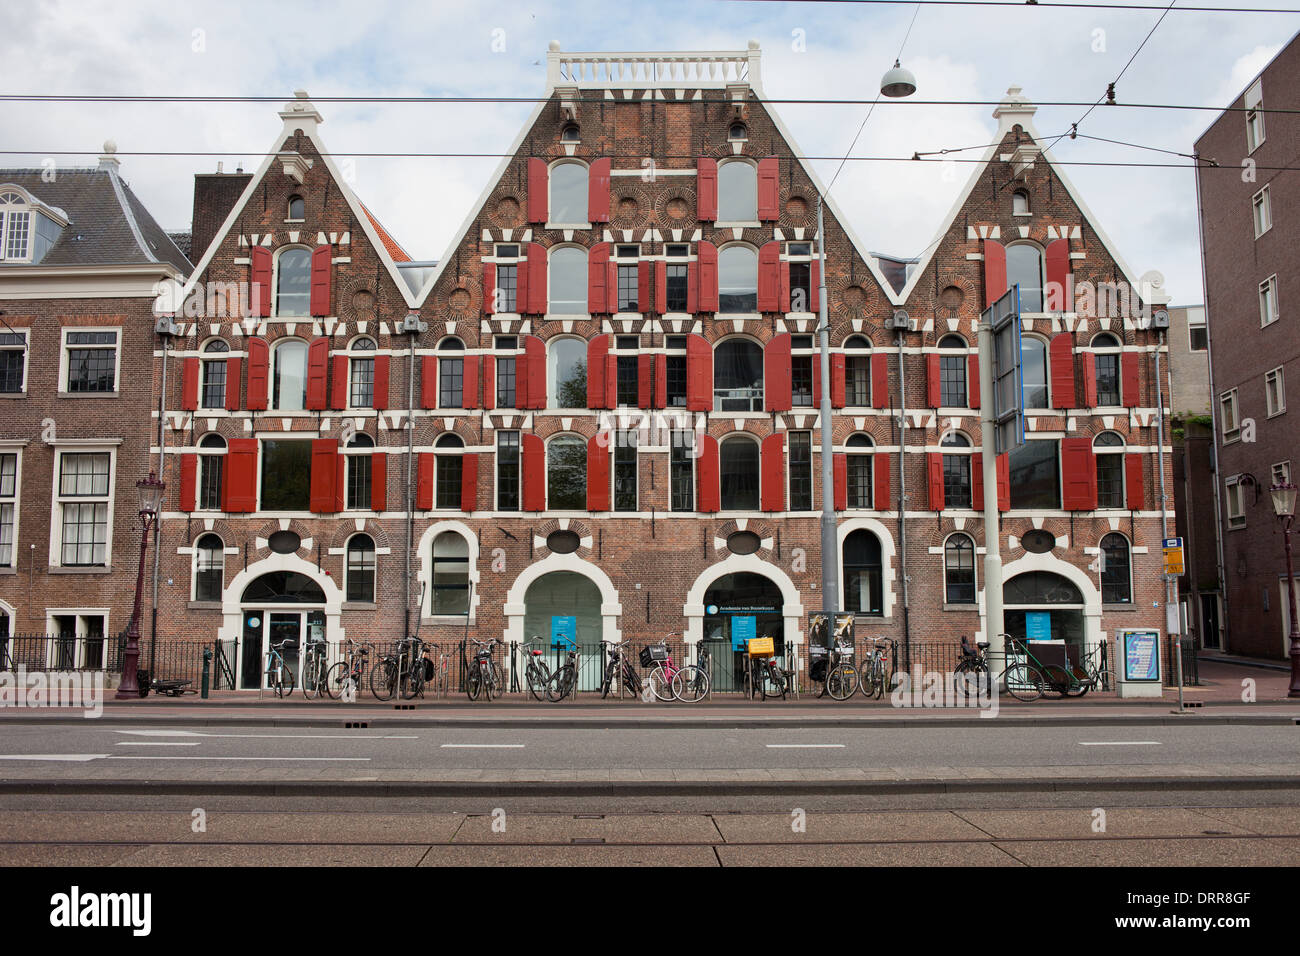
(282, 626)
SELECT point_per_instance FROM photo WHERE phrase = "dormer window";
(297, 209)
(15, 228)
(570, 133)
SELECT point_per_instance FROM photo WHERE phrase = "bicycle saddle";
(982, 645)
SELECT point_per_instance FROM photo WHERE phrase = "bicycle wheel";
(690, 684)
(972, 679)
(334, 679)
(474, 682)
(561, 684)
(313, 676)
(661, 684)
(867, 680)
(883, 679)
(1056, 680)
(841, 681)
(284, 682)
(632, 680)
(608, 681)
(413, 680)
(1024, 682)
(537, 678)
(772, 685)
(383, 679)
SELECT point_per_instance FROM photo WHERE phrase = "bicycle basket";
(761, 645)
(651, 655)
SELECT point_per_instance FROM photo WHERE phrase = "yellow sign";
(1173, 560)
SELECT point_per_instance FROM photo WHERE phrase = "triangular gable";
(394, 248)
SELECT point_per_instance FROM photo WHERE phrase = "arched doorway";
(562, 607)
(1041, 605)
(277, 606)
(737, 607)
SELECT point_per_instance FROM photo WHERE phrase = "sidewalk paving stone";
(1208, 851)
(1077, 823)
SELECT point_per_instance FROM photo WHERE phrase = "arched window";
(1020, 203)
(959, 570)
(1033, 363)
(214, 374)
(738, 376)
(859, 476)
(1025, 268)
(738, 132)
(297, 209)
(737, 192)
(359, 473)
(1116, 583)
(568, 194)
(566, 473)
(15, 228)
(857, 371)
(293, 281)
(290, 387)
(863, 579)
(570, 133)
(211, 465)
(737, 279)
(209, 568)
(738, 473)
(361, 373)
(567, 282)
(568, 378)
(1108, 449)
(451, 374)
(360, 571)
(956, 470)
(1106, 349)
(450, 591)
(449, 464)
(952, 372)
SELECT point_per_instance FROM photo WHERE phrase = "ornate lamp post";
(151, 492)
(1284, 508)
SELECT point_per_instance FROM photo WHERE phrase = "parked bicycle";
(692, 682)
(564, 682)
(1022, 675)
(876, 674)
(617, 664)
(400, 672)
(768, 678)
(315, 670)
(840, 677)
(483, 677)
(537, 674)
(279, 675)
(344, 678)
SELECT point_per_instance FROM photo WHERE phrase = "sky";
(834, 50)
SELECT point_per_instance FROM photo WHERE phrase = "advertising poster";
(743, 629)
(1141, 655)
(564, 631)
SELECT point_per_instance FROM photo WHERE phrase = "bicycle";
(875, 676)
(345, 676)
(662, 669)
(692, 682)
(564, 682)
(441, 680)
(315, 670)
(279, 675)
(537, 674)
(483, 676)
(1096, 668)
(769, 679)
(841, 678)
(398, 672)
(618, 664)
(1023, 679)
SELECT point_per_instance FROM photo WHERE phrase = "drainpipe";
(410, 459)
(157, 525)
(902, 505)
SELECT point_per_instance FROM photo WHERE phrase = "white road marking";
(191, 733)
(330, 759)
(802, 746)
(1121, 743)
(482, 746)
(158, 743)
(76, 757)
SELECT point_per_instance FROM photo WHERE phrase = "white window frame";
(374, 568)
(64, 364)
(1254, 102)
(1280, 472)
(1192, 327)
(1231, 433)
(722, 222)
(26, 347)
(275, 284)
(975, 568)
(196, 551)
(1278, 376)
(553, 377)
(80, 613)
(1261, 212)
(1234, 504)
(1269, 309)
(7, 212)
(565, 438)
(273, 396)
(14, 448)
(57, 501)
(551, 222)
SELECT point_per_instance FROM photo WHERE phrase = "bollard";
(207, 665)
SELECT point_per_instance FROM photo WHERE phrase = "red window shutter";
(1061, 351)
(469, 482)
(232, 384)
(189, 481)
(699, 374)
(1089, 362)
(769, 277)
(769, 194)
(880, 500)
(321, 267)
(708, 496)
(490, 288)
(977, 481)
(429, 381)
(534, 358)
(538, 176)
(706, 189)
(598, 191)
(1078, 475)
(489, 381)
(611, 381)
(1129, 391)
(597, 352)
(598, 454)
(1057, 260)
(381, 382)
(1004, 482)
(816, 381)
(837, 380)
(772, 458)
(536, 287)
(880, 380)
(934, 476)
(692, 287)
(260, 279)
(815, 286)
(425, 464)
(973, 380)
(783, 280)
(840, 470)
(378, 481)
(933, 393)
(318, 358)
(645, 379)
(469, 382)
(339, 384)
(661, 382)
(995, 271)
(598, 291)
(259, 363)
(661, 287)
(239, 480)
(1134, 481)
(708, 258)
(643, 286)
(340, 481)
(324, 470)
(533, 466)
(190, 384)
(776, 374)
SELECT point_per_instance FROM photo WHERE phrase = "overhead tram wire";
(1040, 3)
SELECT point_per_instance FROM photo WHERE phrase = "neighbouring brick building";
(596, 412)
(80, 259)
(1250, 230)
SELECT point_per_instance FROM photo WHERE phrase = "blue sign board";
(1038, 625)
(1141, 655)
(564, 631)
(743, 629)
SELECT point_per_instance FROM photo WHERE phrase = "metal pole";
(1294, 690)
(830, 547)
(129, 688)
(410, 503)
(157, 528)
(993, 618)
(1164, 511)
(902, 504)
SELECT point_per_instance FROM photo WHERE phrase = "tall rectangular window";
(801, 484)
(682, 468)
(506, 366)
(627, 288)
(627, 380)
(1229, 419)
(677, 282)
(1236, 503)
(447, 481)
(1107, 379)
(8, 506)
(952, 381)
(1035, 475)
(508, 471)
(84, 489)
(625, 465)
(359, 482)
(1268, 308)
(800, 287)
(1110, 481)
(857, 381)
(451, 378)
(16, 235)
(956, 481)
(859, 477)
(507, 288)
(675, 371)
(210, 469)
(13, 355)
(286, 475)
(1275, 392)
(91, 361)
(361, 384)
(801, 372)
(1262, 210)
(214, 383)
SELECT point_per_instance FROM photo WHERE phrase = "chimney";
(215, 194)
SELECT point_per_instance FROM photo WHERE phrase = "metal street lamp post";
(151, 491)
(1284, 508)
